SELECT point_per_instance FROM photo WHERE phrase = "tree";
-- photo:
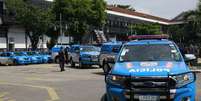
(192, 27)
(34, 19)
(144, 29)
(80, 15)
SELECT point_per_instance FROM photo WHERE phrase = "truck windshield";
(150, 52)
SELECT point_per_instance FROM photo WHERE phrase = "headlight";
(116, 80)
(184, 79)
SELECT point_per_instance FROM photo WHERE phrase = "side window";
(8, 54)
(3, 54)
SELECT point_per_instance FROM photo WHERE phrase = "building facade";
(13, 37)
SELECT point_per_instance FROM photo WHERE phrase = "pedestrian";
(66, 55)
(61, 59)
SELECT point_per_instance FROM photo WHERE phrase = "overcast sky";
(163, 8)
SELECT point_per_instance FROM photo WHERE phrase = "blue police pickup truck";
(150, 70)
(84, 55)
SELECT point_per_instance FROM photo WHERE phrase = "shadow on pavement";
(99, 73)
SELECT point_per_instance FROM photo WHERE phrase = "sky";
(163, 8)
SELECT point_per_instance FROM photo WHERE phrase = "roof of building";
(138, 15)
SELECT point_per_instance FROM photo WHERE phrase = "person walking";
(61, 59)
(66, 55)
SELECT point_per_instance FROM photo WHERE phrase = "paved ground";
(46, 83)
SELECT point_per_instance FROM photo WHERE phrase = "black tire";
(106, 68)
(104, 97)
(15, 62)
(72, 63)
(56, 60)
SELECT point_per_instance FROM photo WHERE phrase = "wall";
(18, 35)
(2, 43)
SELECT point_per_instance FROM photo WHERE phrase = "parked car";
(84, 55)
(16, 58)
(46, 57)
(55, 52)
(109, 51)
(151, 70)
(34, 57)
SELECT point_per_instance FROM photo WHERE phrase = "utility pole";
(60, 24)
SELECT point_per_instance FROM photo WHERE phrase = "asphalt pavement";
(45, 82)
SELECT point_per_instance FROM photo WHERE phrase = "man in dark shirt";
(61, 59)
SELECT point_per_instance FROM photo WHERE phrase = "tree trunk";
(34, 39)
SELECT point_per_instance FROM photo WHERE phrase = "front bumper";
(115, 93)
(89, 61)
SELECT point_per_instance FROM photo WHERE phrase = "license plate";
(148, 98)
(95, 60)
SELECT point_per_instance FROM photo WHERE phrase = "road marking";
(51, 92)
(33, 78)
(3, 94)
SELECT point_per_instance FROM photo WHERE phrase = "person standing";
(66, 55)
(61, 59)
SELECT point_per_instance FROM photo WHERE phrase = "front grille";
(149, 86)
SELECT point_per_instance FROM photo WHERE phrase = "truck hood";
(90, 53)
(164, 68)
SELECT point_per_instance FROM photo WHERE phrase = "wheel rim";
(57, 60)
(71, 62)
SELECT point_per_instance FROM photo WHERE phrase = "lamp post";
(60, 26)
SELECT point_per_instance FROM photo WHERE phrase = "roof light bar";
(134, 37)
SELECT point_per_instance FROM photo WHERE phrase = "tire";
(15, 62)
(104, 97)
(56, 60)
(72, 63)
(106, 68)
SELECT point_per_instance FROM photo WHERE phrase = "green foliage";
(36, 20)
(145, 29)
(190, 31)
(80, 15)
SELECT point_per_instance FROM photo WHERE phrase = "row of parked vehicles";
(149, 68)
(23, 58)
(88, 55)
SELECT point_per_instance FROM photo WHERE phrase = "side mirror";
(189, 57)
(116, 50)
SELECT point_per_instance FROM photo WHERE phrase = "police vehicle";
(109, 52)
(55, 52)
(33, 56)
(84, 55)
(151, 69)
(46, 57)
(13, 58)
